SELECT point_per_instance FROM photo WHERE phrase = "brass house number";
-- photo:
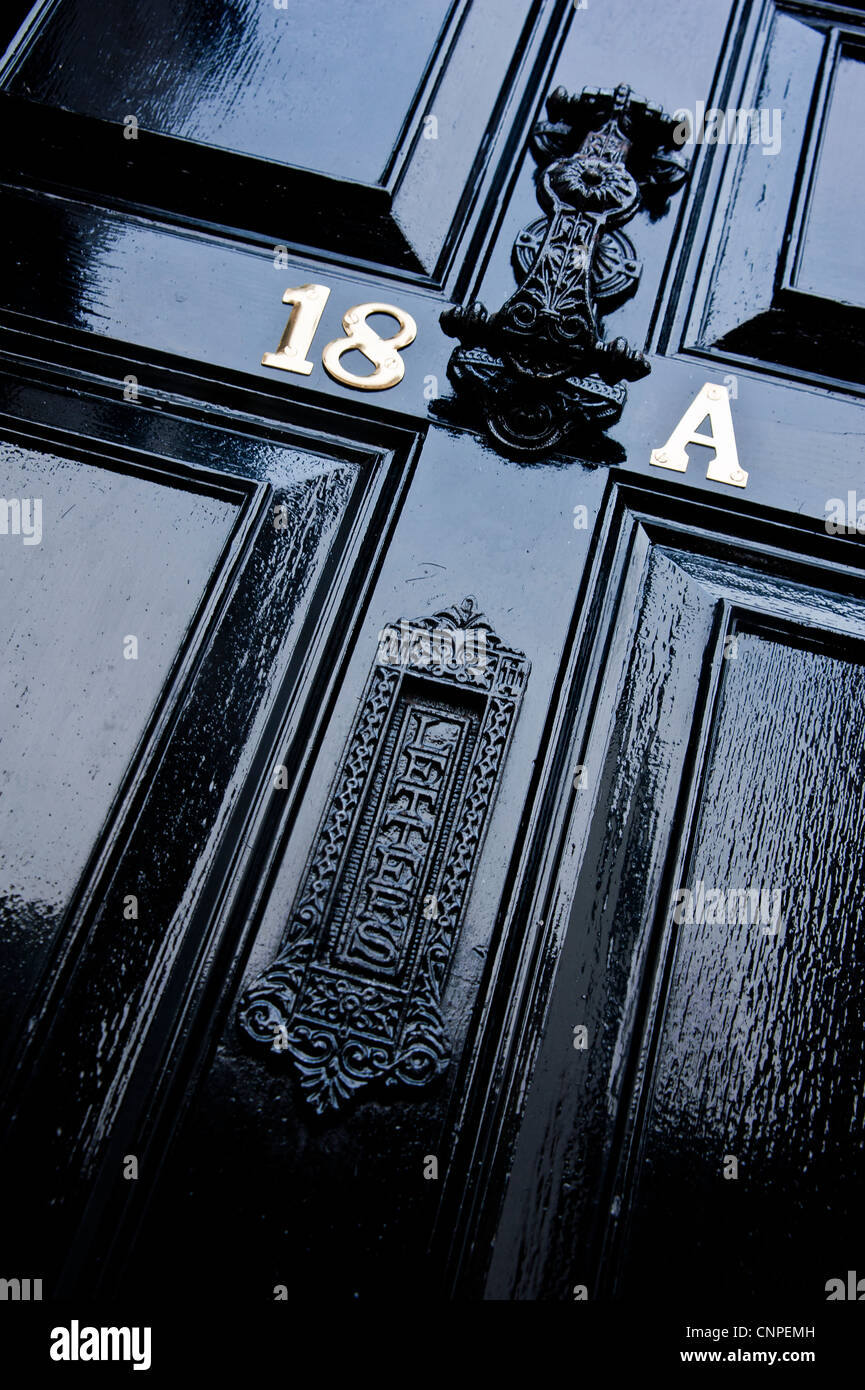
(383, 353)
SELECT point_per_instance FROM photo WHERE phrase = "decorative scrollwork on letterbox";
(354, 996)
(540, 366)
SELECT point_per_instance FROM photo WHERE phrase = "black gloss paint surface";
(762, 1050)
(707, 1040)
(339, 127)
(836, 198)
(154, 260)
(310, 84)
(118, 557)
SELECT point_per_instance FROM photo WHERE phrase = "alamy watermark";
(845, 516)
(77, 1343)
(405, 645)
(744, 907)
(735, 126)
(21, 1290)
(22, 517)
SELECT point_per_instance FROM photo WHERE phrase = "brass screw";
(659, 456)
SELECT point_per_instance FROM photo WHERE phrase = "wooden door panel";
(679, 744)
(107, 592)
(222, 73)
(759, 1054)
(771, 285)
(285, 122)
(264, 551)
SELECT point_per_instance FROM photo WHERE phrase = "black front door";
(433, 711)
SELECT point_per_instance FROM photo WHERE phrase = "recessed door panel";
(694, 1109)
(749, 1171)
(101, 584)
(251, 77)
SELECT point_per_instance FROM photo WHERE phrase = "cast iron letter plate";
(354, 995)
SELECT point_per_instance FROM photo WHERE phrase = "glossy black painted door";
(213, 770)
